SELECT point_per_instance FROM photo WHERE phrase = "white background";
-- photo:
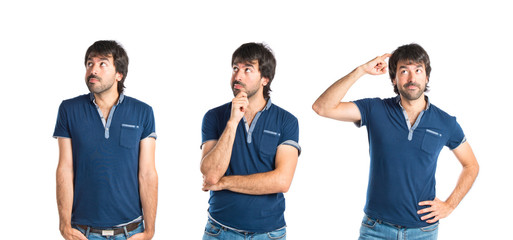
(180, 64)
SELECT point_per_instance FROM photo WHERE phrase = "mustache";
(411, 84)
(93, 76)
(238, 82)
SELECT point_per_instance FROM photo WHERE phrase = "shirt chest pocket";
(129, 136)
(269, 143)
(431, 141)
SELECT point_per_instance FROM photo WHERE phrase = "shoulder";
(75, 102)
(441, 114)
(281, 113)
(135, 102)
(220, 110)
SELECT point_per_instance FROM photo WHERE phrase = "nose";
(412, 78)
(238, 75)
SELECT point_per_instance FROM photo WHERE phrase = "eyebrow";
(245, 65)
(405, 66)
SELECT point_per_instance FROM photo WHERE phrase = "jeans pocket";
(368, 222)
(212, 229)
(277, 234)
(430, 228)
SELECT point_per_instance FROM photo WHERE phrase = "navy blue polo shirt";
(404, 157)
(254, 151)
(105, 158)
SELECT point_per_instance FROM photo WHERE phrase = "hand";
(376, 66)
(239, 106)
(140, 236)
(438, 210)
(70, 233)
(212, 187)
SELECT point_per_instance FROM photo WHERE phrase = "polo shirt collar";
(120, 100)
(268, 105)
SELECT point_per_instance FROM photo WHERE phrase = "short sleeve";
(457, 136)
(364, 106)
(61, 126)
(209, 127)
(290, 133)
(149, 124)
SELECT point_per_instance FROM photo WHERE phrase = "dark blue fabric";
(252, 213)
(106, 185)
(402, 171)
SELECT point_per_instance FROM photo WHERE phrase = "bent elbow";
(318, 109)
(210, 180)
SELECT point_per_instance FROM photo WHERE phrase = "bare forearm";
(149, 197)
(256, 184)
(331, 98)
(465, 181)
(215, 162)
(64, 197)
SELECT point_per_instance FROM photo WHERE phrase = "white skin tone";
(247, 85)
(410, 80)
(103, 84)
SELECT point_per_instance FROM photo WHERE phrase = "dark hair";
(410, 52)
(111, 48)
(266, 62)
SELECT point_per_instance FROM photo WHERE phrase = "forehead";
(100, 57)
(406, 63)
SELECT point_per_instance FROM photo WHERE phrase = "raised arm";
(148, 187)
(329, 103)
(275, 181)
(65, 190)
(216, 154)
(439, 209)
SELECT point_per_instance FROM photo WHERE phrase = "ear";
(119, 76)
(265, 81)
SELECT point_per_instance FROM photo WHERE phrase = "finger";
(434, 220)
(386, 55)
(424, 203)
(425, 210)
(242, 94)
(429, 216)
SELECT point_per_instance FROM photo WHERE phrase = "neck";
(417, 105)
(106, 100)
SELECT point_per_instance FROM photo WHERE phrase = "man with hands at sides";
(249, 153)
(406, 134)
(106, 176)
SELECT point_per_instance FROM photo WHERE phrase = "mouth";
(93, 79)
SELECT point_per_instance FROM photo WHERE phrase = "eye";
(248, 70)
(103, 64)
(235, 69)
(418, 71)
(404, 72)
(89, 64)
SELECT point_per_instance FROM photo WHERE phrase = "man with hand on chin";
(406, 134)
(106, 177)
(249, 153)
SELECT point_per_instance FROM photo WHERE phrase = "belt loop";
(87, 231)
(126, 232)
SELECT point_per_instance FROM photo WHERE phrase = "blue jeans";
(375, 229)
(216, 231)
(122, 236)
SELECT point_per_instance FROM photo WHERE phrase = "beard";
(249, 92)
(412, 95)
(100, 86)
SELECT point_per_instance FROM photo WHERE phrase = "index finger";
(386, 55)
(242, 94)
